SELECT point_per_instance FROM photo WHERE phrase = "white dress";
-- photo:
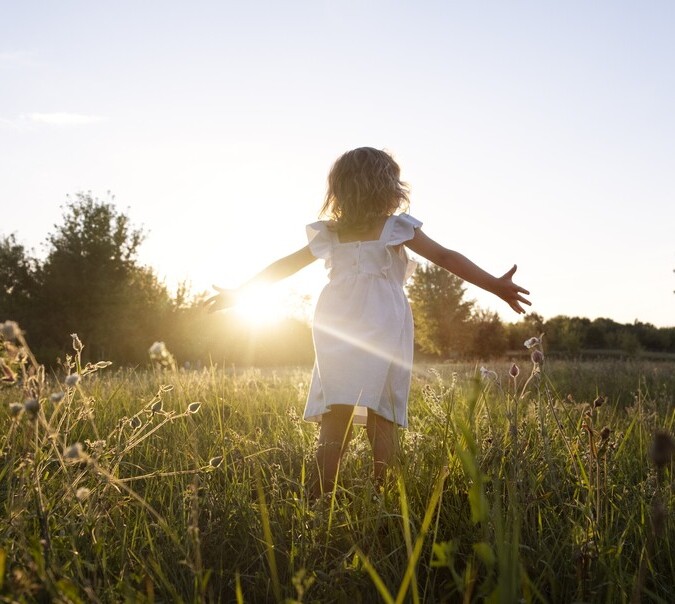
(363, 327)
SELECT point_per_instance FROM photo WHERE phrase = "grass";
(508, 489)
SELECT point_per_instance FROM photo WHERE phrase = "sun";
(261, 305)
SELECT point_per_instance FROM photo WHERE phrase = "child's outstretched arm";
(278, 270)
(461, 266)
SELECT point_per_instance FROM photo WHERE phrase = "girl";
(363, 327)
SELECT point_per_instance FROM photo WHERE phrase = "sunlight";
(262, 305)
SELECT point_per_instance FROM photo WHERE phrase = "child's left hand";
(225, 298)
(508, 291)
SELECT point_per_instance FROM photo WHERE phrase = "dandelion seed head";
(10, 330)
(72, 380)
(74, 452)
(158, 351)
(31, 405)
(82, 494)
(56, 397)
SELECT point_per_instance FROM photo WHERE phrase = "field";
(170, 485)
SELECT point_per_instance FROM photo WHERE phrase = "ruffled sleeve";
(319, 240)
(403, 229)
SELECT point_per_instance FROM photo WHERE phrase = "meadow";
(550, 481)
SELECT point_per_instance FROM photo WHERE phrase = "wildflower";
(605, 432)
(662, 449)
(156, 406)
(487, 374)
(56, 397)
(514, 371)
(15, 409)
(537, 357)
(31, 405)
(215, 462)
(10, 330)
(135, 422)
(82, 494)
(158, 351)
(532, 342)
(77, 344)
(193, 407)
(72, 380)
(599, 400)
(73, 453)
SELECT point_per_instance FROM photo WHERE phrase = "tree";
(91, 284)
(440, 312)
(17, 280)
(488, 335)
(531, 324)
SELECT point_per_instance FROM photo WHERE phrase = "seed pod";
(15, 409)
(77, 343)
(514, 371)
(156, 406)
(537, 357)
(135, 422)
(605, 432)
(662, 449)
(598, 402)
(193, 407)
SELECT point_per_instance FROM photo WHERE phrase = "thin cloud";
(64, 119)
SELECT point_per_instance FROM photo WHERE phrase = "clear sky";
(539, 132)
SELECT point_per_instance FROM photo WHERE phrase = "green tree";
(17, 280)
(531, 324)
(91, 284)
(488, 335)
(441, 314)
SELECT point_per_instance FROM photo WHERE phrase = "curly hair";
(363, 185)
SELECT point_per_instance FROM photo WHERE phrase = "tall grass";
(541, 487)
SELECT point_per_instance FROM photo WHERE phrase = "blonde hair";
(363, 185)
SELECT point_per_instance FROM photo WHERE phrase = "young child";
(363, 327)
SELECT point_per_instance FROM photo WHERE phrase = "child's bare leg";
(335, 434)
(382, 437)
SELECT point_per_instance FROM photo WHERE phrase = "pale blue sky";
(541, 133)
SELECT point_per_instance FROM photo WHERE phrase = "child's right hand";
(225, 298)
(508, 291)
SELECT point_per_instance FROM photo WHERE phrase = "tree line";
(91, 283)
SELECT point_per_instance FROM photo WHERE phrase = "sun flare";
(261, 305)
